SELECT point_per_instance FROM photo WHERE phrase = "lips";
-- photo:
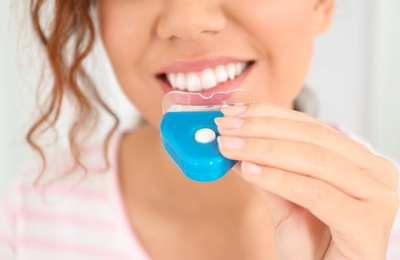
(204, 75)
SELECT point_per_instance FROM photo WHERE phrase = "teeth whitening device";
(189, 134)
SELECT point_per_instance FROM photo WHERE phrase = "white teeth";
(193, 82)
(172, 79)
(231, 71)
(221, 73)
(207, 79)
(180, 82)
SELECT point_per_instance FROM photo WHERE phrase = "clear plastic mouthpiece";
(178, 101)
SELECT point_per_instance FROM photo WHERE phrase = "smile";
(206, 79)
(214, 73)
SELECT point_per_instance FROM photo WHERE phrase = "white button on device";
(205, 135)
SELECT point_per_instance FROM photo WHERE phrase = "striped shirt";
(78, 217)
(75, 217)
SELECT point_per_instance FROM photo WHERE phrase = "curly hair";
(67, 39)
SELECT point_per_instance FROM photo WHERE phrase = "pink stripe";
(66, 219)
(65, 191)
(72, 248)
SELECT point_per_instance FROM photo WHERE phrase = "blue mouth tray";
(189, 134)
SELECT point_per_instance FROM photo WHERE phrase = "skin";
(303, 190)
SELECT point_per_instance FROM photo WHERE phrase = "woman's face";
(264, 46)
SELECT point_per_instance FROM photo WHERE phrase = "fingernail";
(251, 168)
(231, 143)
(233, 110)
(229, 122)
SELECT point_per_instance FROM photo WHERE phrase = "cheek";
(126, 33)
(282, 32)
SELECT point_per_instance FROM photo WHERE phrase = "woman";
(302, 190)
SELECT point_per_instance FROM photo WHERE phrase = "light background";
(355, 75)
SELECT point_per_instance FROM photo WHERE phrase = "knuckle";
(394, 170)
(389, 206)
(386, 203)
(390, 165)
(391, 173)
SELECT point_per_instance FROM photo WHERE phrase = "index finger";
(270, 110)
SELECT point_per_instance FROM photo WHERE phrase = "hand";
(329, 197)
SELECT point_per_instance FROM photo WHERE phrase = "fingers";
(390, 176)
(281, 138)
(296, 131)
(269, 110)
(262, 120)
(325, 202)
(265, 110)
(322, 200)
(305, 159)
(301, 166)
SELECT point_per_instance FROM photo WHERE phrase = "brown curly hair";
(70, 26)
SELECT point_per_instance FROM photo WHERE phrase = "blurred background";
(355, 75)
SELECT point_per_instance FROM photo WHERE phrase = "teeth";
(207, 79)
(180, 82)
(238, 69)
(221, 73)
(193, 82)
(231, 71)
(172, 79)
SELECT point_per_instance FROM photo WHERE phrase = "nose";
(189, 19)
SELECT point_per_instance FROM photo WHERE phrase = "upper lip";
(186, 66)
